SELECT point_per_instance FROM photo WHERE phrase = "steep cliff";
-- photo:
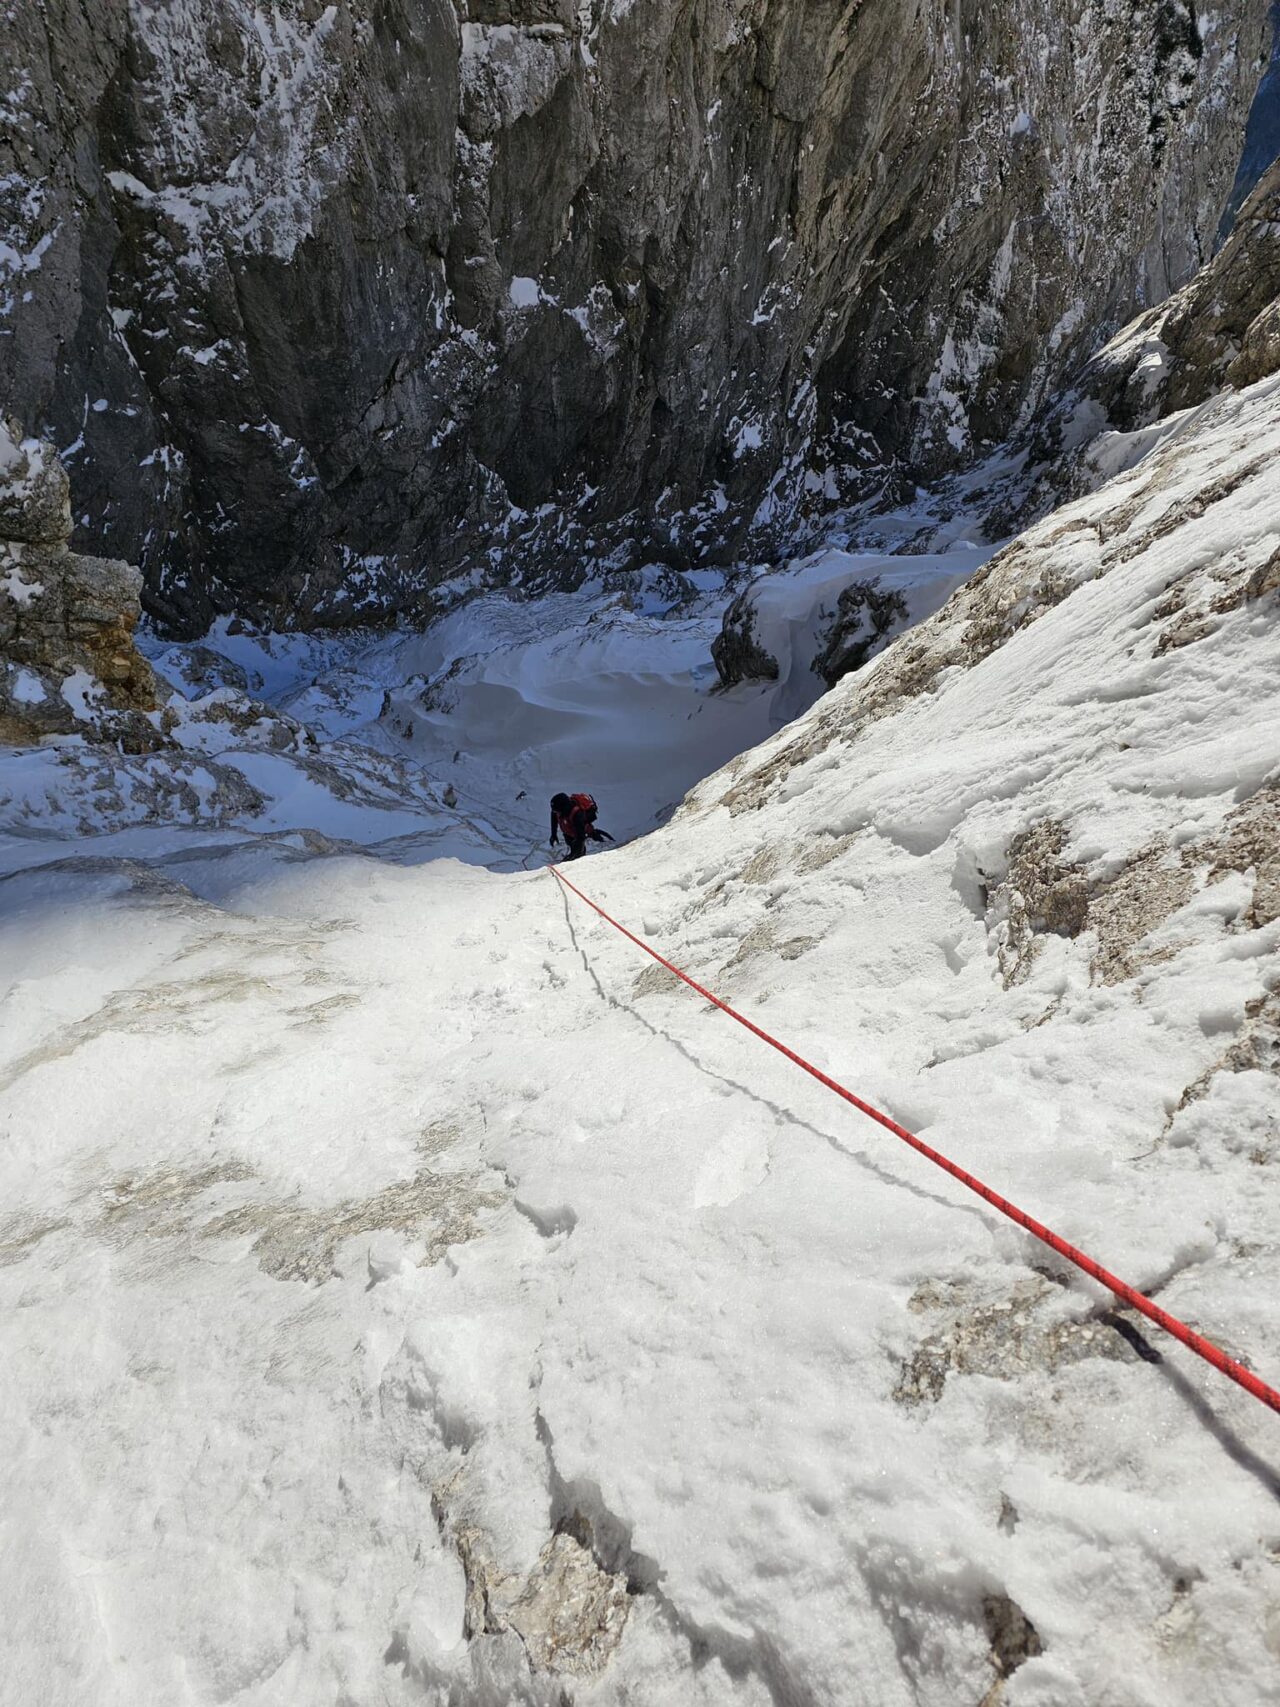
(327, 303)
(1262, 136)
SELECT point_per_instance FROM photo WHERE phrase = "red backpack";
(586, 805)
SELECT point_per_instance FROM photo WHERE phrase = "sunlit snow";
(394, 1262)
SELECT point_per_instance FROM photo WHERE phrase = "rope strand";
(1228, 1366)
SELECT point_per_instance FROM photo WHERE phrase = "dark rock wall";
(328, 303)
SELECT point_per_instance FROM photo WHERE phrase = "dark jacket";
(576, 824)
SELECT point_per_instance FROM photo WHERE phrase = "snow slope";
(452, 742)
(412, 1296)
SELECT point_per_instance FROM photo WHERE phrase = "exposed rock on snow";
(1250, 842)
(89, 788)
(67, 655)
(1014, 1639)
(1255, 1050)
(1034, 1326)
(1040, 893)
(825, 614)
(200, 670)
(865, 613)
(1044, 893)
(435, 1211)
(1229, 587)
(736, 652)
(568, 1613)
(286, 283)
(843, 639)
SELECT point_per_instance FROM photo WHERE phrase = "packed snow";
(359, 739)
(414, 1295)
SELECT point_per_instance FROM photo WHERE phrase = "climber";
(574, 815)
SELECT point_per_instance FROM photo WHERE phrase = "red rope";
(1127, 1294)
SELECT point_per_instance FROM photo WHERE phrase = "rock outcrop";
(1223, 329)
(842, 637)
(67, 657)
(330, 302)
(865, 613)
(736, 651)
(1220, 332)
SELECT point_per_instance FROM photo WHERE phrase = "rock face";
(1221, 331)
(327, 303)
(66, 621)
(1262, 138)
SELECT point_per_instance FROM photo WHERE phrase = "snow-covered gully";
(411, 1298)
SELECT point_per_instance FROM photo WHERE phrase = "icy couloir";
(412, 1295)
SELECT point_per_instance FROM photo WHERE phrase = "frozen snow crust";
(413, 1297)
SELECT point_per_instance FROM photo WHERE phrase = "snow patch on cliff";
(265, 199)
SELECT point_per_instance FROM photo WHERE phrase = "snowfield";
(412, 1295)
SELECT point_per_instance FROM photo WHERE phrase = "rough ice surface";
(413, 1295)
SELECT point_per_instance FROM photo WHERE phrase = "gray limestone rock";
(736, 651)
(1220, 331)
(67, 657)
(865, 613)
(1262, 137)
(329, 303)
(35, 494)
